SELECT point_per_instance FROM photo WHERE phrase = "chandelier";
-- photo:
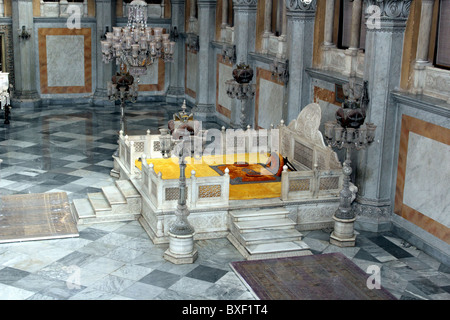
(136, 45)
(240, 87)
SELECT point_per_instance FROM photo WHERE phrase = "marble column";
(300, 38)
(356, 25)
(224, 24)
(267, 25)
(243, 111)
(355, 30)
(25, 56)
(329, 24)
(382, 63)
(423, 44)
(175, 92)
(105, 17)
(206, 93)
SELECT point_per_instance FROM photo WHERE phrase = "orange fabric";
(250, 172)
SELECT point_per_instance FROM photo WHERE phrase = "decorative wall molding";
(391, 9)
(301, 6)
(248, 3)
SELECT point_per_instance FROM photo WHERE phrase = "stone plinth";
(343, 234)
(181, 249)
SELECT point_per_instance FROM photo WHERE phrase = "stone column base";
(343, 234)
(181, 249)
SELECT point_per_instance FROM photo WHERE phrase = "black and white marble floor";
(68, 148)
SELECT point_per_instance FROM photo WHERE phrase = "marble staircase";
(119, 202)
(265, 233)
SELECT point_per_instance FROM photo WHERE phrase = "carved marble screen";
(423, 176)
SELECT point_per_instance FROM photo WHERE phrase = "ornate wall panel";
(65, 61)
(190, 74)
(224, 72)
(423, 176)
(154, 79)
(269, 99)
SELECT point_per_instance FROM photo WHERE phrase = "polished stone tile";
(103, 265)
(112, 284)
(13, 293)
(132, 272)
(160, 278)
(206, 273)
(92, 233)
(124, 254)
(10, 275)
(191, 286)
(142, 291)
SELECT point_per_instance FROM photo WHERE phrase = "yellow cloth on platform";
(171, 170)
(255, 191)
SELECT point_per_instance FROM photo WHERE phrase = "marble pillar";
(329, 24)
(355, 30)
(375, 168)
(224, 24)
(175, 92)
(206, 93)
(25, 57)
(423, 44)
(105, 17)
(243, 111)
(300, 34)
(267, 25)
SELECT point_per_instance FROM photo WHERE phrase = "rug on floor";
(329, 276)
(39, 216)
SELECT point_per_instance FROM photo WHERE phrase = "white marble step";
(267, 213)
(264, 224)
(127, 189)
(83, 208)
(99, 201)
(269, 236)
(277, 247)
(113, 195)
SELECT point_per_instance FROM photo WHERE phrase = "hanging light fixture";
(137, 45)
(240, 87)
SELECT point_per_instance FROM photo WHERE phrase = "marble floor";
(68, 148)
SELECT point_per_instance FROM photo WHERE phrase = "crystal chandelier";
(240, 87)
(137, 46)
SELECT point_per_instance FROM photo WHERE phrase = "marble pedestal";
(343, 234)
(181, 249)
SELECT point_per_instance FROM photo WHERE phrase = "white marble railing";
(310, 184)
(131, 148)
(275, 46)
(437, 83)
(228, 35)
(202, 192)
(153, 10)
(62, 8)
(342, 61)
